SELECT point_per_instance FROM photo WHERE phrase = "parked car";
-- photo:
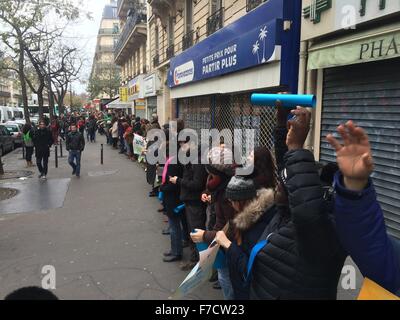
(16, 131)
(6, 140)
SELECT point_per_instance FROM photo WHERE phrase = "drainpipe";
(302, 66)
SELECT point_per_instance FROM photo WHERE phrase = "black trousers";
(196, 219)
(28, 153)
(42, 162)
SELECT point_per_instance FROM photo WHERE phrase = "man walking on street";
(43, 140)
(75, 144)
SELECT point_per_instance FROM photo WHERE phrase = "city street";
(105, 241)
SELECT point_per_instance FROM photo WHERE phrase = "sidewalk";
(104, 241)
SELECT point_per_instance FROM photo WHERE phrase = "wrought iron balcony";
(252, 4)
(156, 60)
(215, 21)
(187, 40)
(109, 31)
(170, 52)
(131, 22)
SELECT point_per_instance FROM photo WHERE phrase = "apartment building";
(211, 55)
(104, 69)
(10, 92)
(130, 55)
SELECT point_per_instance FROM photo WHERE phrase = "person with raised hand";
(359, 218)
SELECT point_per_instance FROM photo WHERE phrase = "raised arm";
(360, 222)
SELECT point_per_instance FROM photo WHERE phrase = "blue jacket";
(362, 231)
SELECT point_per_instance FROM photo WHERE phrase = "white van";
(6, 114)
(18, 114)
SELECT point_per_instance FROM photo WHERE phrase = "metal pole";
(61, 149)
(56, 155)
(1, 165)
(102, 154)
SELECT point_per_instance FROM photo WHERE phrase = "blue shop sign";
(252, 40)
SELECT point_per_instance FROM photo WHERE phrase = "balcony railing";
(156, 60)
(105, 49)
(169, 52)
(109, 31)
(131, 22)
(187, 40)
(215, 21)
(252, 4)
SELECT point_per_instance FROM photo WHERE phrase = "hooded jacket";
(249, 224)
(303, 258)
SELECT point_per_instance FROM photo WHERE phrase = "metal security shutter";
(369, 94)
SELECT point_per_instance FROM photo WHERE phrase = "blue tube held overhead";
(287, 100)
(161, 196)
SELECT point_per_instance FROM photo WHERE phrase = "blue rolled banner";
(220, 260)
(161, 196)
(287, 100)
(178, 209)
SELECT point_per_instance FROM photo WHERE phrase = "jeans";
(92, 136)
(75, 155)
(225, 283)
(42, 164)
(176, 235)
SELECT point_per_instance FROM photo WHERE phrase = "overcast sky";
(84, 34)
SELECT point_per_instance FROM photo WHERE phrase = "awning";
(117, 104)
(359, 47)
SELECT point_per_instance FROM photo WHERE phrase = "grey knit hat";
(240, 188)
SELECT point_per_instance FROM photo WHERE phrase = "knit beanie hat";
(220, 161)
(240, 188)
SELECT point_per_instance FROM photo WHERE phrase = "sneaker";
(172, 258)
(217, 286)
(73, 172)
(166, 232)
(187, 266)
(167, 254)
(44, 177)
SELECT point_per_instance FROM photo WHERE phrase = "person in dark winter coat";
(303, 257)
(91, 128)
(171, 201)
(43, 140)
(254, 210)
(75, 144)
(220, 170)
(359, 218)
(192, 185)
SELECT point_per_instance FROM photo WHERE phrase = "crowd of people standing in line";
(286, 229)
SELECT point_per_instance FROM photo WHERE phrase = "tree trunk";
(40, 102)
(21, 76)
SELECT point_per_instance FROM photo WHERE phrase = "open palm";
(354, 156)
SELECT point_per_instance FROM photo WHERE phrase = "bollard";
(1, 165)
(101, 154)
(61, 149)
(56, 155)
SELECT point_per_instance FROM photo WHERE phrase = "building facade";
(10, 91)
(351, 61)
(104, 69)
(221, 53)
(130, 55)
